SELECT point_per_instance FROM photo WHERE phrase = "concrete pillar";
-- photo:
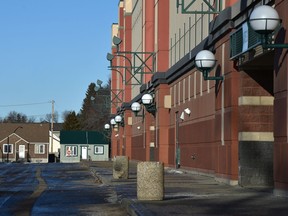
(120, 167)
(150, 181)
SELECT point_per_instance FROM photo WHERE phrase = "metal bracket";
(151, 108)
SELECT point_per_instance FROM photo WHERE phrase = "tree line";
(95, 110)
(93, 115)
(16, 117)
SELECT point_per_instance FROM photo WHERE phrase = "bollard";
(120, 167)
(150, 181)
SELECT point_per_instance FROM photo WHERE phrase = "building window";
(71, 151)
(189, 87)
(99, 150)
(39, 149)
(184, 89)
(179, 92)
(8, 148)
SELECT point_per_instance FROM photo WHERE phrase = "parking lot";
(54, 188)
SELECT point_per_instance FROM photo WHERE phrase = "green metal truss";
(138, 56)
(187, 6)
(116, 97)
(128, 79)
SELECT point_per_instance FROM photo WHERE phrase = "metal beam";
(187, 6)
(127, 81)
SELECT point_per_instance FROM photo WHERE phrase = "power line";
(28, 104)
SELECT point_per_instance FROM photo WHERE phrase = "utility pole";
(52, 126)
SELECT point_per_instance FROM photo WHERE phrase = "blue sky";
(52, 50)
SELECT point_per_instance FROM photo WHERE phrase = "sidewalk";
(190, 194)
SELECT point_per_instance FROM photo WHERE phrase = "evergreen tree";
(95, 109)
(71, 122)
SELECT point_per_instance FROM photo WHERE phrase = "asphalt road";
(54, 189)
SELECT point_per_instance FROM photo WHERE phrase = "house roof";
(32, 132)
(83, 137)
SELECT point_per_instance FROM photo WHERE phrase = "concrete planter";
(150, 181)
(121, 167)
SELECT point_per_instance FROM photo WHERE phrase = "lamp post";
(112, 123)
(118, 120)
(265, 20)
(8, 143)
(107, 128)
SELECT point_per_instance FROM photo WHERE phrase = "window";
(39, 149)
(71, 151)
(99, 150)
(8, 148)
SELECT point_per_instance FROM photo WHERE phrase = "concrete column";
(121, 167)
(150, 181)
(280, 147)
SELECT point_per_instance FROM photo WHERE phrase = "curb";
(127, 204)
(134, 208)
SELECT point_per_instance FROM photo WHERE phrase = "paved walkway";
(190, 194)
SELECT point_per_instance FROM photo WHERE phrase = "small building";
(24, 142)
(83, 145)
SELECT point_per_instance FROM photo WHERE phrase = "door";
(84, 152)
(21, 151)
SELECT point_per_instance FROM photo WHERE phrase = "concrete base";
(150, 181)
(282, 193)
(121, 167)
(226, 181)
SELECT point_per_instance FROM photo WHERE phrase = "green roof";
(83, 137)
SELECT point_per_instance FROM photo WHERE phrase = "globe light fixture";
(265, 20)
(147, 101)
(113, 122)
(205, 61)
(107, 127)
(118, 119)
(136, 107)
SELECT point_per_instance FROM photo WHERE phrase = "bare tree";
(15, 117)
(48, 117)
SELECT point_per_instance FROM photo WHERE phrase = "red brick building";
(234, 129)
